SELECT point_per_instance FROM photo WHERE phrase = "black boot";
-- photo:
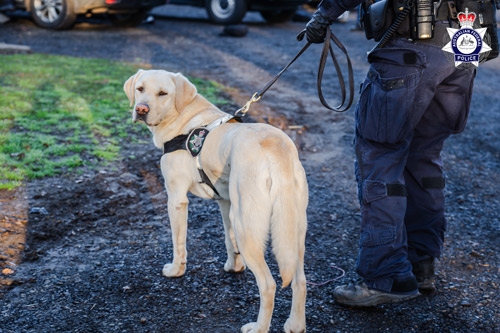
(424, 272)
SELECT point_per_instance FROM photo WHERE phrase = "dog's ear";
(185, 91)
(129, 86)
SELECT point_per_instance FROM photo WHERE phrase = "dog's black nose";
(141, 109)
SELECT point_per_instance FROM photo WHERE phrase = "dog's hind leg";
(289, 227)
(234, 261)
(296, 323)
(251, 232)
(256, 262)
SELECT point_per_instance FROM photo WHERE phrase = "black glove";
(316, 27)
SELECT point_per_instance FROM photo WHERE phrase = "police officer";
(412, 99)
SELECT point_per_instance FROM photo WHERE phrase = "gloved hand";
(316, 27)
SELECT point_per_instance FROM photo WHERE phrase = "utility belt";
(416, 19)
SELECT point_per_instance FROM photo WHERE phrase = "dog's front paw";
(248, 328)
(234, 264)
(173, 270)
(292, 326)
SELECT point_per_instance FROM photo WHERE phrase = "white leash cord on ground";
(328, 281)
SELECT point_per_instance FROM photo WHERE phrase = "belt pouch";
(377, 18)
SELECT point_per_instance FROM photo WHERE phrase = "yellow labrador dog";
(252, 170)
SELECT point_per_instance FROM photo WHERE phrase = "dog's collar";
(193, 141)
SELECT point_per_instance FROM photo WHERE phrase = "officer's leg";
(447, 114)
(383, 135)
(425, 220)
(425, 215)
(382, 257)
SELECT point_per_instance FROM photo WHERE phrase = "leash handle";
(327, 48)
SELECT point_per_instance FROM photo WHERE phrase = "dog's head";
(158, 96)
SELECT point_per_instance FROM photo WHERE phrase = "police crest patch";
(195, 140)
(466, 43)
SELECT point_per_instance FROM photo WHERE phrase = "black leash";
(327, 48)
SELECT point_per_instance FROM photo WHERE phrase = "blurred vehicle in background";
(233, 11)
(62, 14)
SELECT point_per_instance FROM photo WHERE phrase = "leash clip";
(243, 110)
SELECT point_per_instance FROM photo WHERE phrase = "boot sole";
(382, 298)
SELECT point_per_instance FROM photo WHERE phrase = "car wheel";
(53, 14)
(278, 16)
(129, 20)
(226, 11)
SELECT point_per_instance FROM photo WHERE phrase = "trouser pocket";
(388, 97)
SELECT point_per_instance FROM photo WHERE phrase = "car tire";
(226, 11)
(129, 20)
(59, 14)
(278, 16)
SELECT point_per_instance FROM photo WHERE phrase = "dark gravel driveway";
(93, 261)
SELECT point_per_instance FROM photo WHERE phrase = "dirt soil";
(84, 252)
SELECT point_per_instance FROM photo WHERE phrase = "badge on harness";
(466, 43)
(195, 140)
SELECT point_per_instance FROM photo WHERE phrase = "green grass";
(63, 113)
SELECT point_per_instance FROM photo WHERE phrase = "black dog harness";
(193, 142)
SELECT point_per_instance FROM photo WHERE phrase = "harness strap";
(206, 180)
(181, 142)
(177, 143)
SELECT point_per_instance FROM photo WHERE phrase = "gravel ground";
(96, 242)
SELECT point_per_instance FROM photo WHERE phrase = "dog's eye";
(140, 89)
(162, 93)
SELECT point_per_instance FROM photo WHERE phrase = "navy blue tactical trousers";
(412, 99)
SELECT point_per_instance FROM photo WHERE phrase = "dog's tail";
(289, 219)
